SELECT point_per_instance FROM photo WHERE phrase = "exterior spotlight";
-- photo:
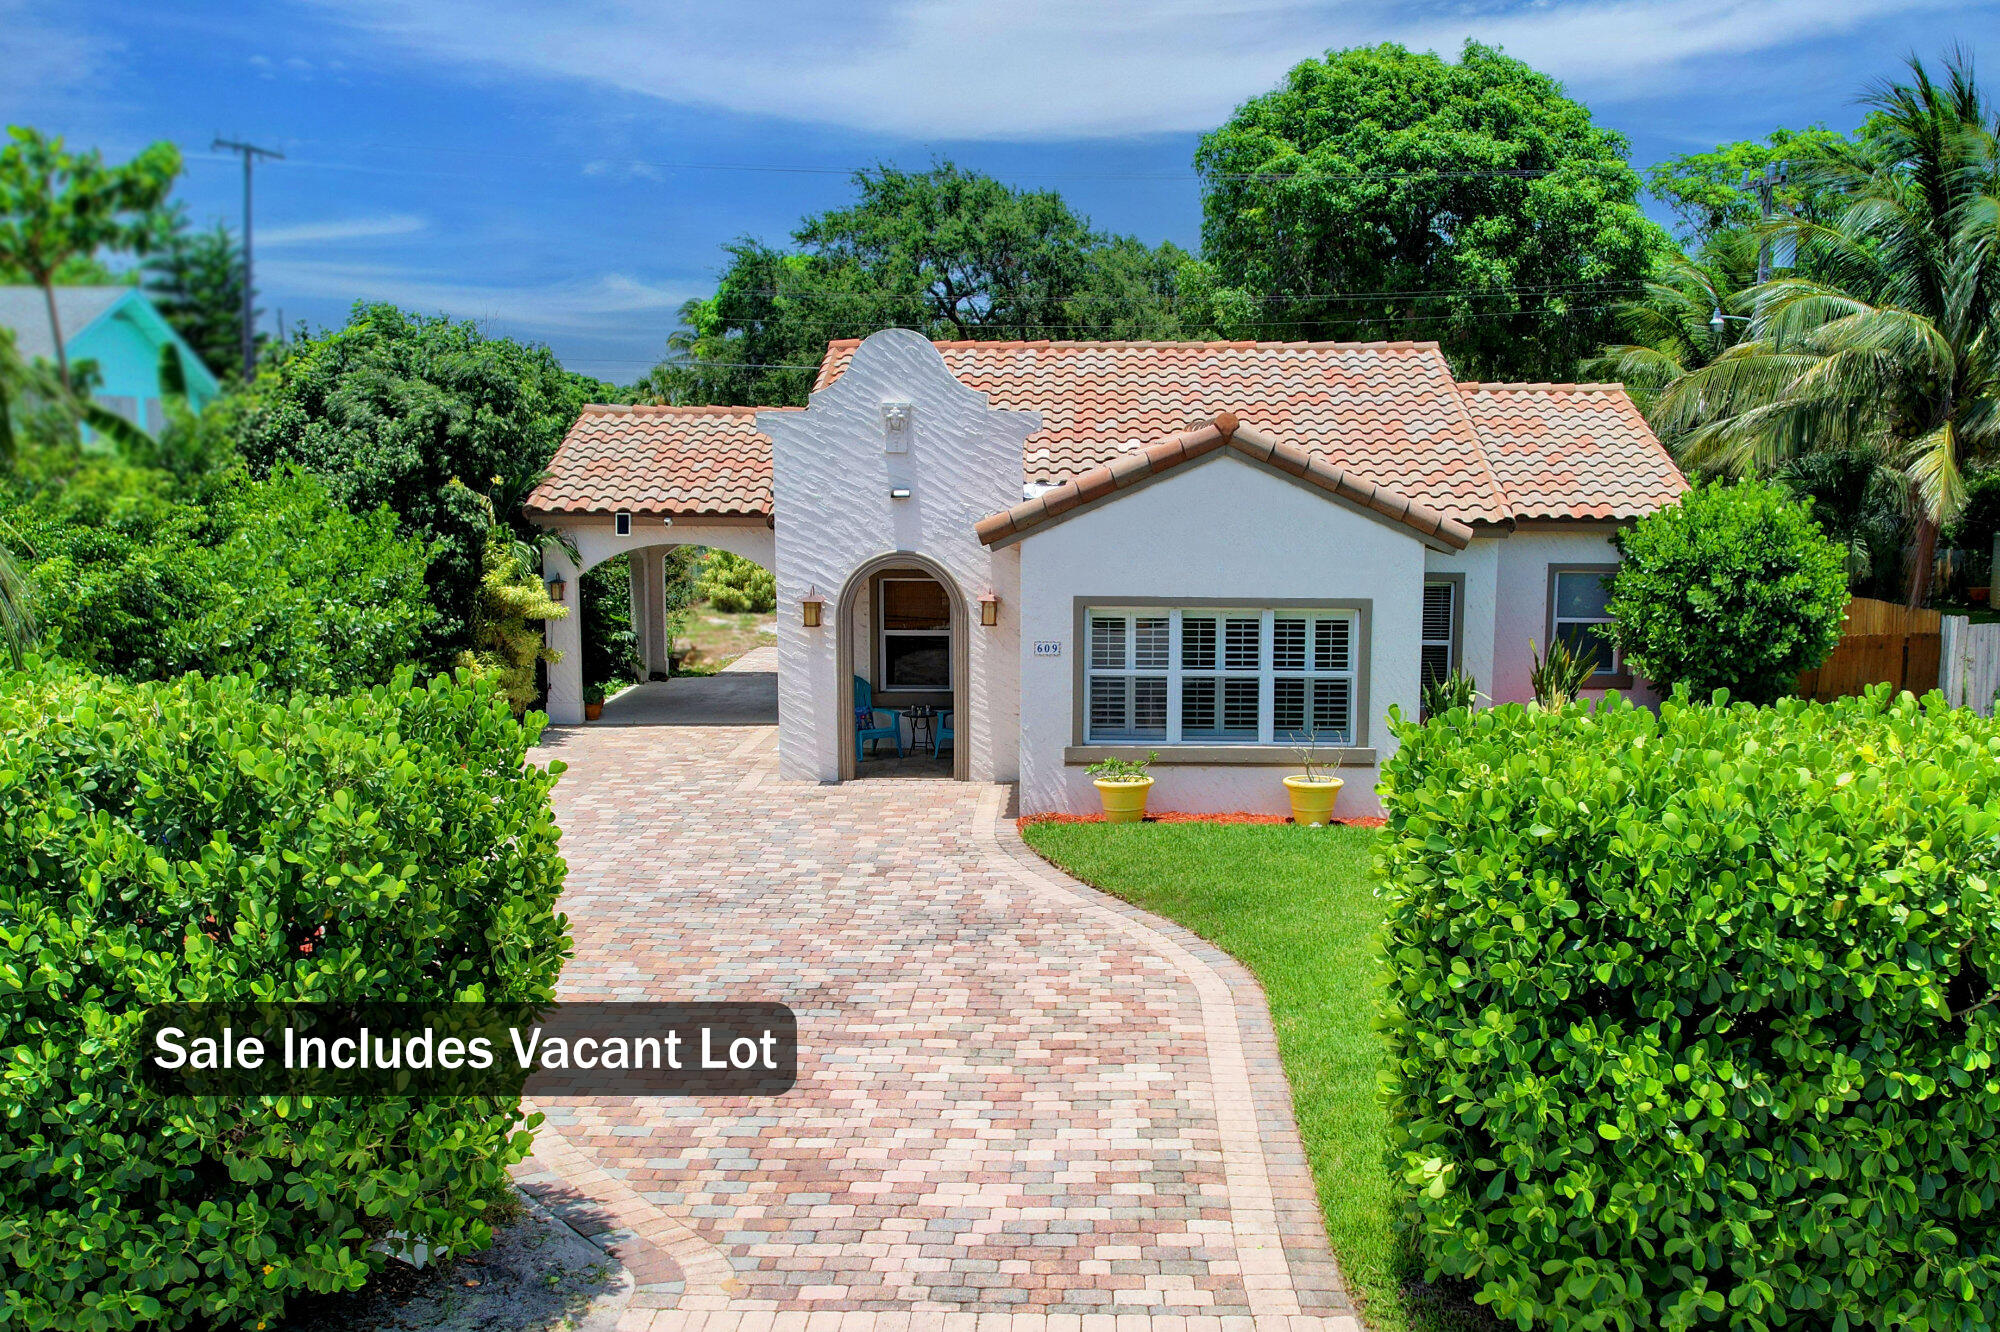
(989, 609)
(809, 607)
(900, 492)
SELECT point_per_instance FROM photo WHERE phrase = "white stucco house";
(1209, 550)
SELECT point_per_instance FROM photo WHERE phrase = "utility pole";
(1765, 183)
(251, 152)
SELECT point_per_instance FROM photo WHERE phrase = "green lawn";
(1297, 906)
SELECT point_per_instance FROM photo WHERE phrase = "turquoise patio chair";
(941, 736)
(864, 702)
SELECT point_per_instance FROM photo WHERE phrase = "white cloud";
(357, 228)
(1060, 69)
(603, 303)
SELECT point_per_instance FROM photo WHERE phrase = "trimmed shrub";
(1734, 588)
(1691, 1015)
(195, 840)
(731, 584)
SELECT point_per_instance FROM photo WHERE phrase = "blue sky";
(566, 170)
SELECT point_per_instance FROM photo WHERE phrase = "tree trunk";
(1923, 559)
(55, 328)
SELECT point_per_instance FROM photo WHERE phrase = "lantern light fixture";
(989, 609)
(556, 589)
(809, 607)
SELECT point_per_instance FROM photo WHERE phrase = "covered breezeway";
(743, 693)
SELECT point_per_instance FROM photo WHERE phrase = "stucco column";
(635, 585)
(653, 569)
(565, 636)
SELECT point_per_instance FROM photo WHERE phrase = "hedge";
(195, 840)
(1691, 1015)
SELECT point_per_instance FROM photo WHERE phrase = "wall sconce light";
(899, 492)
(809, 607)
(556, 589)
(989, 609)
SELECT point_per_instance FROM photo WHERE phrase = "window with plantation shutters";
(1215, 677)
(1440, 639)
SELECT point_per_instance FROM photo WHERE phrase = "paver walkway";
(1018, 1098)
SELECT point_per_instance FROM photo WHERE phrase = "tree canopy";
(1707, 193)
(425, 415)
(1888, 335)
(949, 252)
(195, 279)
(59, 208)
(1383, 193)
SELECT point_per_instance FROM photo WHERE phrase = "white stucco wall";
(831, 479)
(597, 541)
(1222, 527)
(1479, 562)
(1521, 605)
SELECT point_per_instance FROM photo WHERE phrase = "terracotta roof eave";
(1127, 471)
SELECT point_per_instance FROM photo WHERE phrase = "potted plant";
(593, 702)
(1313, 791)
(1122, 785)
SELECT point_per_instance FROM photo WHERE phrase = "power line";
(1586, 288)
(251, 152)
(1304, 170)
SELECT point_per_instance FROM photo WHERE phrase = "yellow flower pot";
(1312, 799)
(1124, 802)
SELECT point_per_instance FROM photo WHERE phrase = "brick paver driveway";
(1016, 1095)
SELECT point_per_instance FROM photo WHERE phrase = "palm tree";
(1689, 315)
(1894, 343)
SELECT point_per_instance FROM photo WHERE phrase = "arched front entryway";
(886, 635)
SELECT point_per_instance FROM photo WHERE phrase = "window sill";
(1259, 756)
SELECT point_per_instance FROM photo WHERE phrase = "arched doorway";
(888, 628)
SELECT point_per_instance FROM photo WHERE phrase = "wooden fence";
(1970, 674)
(1880, 641)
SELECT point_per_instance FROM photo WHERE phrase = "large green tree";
(1893, 341)
(59, 207)
(949, 252)
(196, 280)
(427, 416)
(1385, 193)
(1708, 193)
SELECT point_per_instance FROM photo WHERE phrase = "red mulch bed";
(1238, 816)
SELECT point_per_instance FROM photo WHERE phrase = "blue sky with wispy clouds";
(566, 170)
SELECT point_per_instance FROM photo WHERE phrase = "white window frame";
(1611, 670)
(883, 633)
(1265, 674)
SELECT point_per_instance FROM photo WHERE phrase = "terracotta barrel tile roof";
(1385, 410)
(1224, 432)
(1572, 450)
(672, 460)
(1385, 413)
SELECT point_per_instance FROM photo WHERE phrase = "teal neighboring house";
(119, 330)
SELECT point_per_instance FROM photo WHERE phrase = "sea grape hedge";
(1693, 1015)
(196, 840)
